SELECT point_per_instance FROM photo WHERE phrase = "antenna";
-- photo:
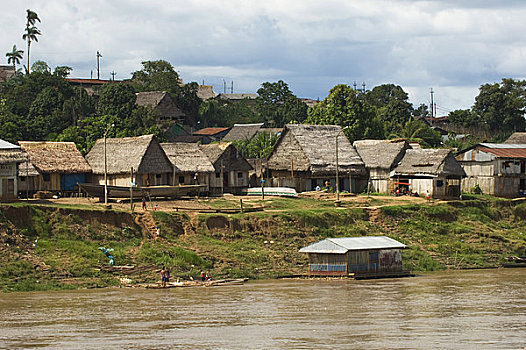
(98, 65)
(354, 85)
(91, 76)
(232, 88)
(224, 86)
(363, 86)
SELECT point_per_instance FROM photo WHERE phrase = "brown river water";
(482, 309)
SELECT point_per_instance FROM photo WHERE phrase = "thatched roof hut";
(205, 92)
(381, 154)
(163, 102)
(516, 138)
(429, 163)
(243, 132)
(225, 157)
(312, 148)
(55, 157)
(142, 153)
(187, 158)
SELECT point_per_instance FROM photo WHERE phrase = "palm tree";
(14, 56)
(31, 32)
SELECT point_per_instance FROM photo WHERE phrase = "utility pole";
(232, 87)
(363, 86)
(432, 104)
(354, 86)
(113, 74)
(224, 86)
(98, 64)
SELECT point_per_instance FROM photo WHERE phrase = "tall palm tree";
(14, 56)
(31, 32)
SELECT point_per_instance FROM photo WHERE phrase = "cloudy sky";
(451, 46)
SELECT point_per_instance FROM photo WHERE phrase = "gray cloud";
(452, 46)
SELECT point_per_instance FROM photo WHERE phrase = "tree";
(62, 71)
(14, 56)
(464, 117)
(421, 111)
(258, 147)
(31, 32)
(40, 67)
(391, 104)
(157, 75)
(501, 107)
(278, 106)
(345, 107)
(417, 130)
(117, 100)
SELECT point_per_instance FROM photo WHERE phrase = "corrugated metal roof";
(8, 145)
(210, 131)
(343, 245)
(504, 152)
(502, 145)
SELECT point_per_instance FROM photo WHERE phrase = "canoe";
(271, 191)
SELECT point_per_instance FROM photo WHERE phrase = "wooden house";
(211, 134)
(240, 132)
(10, 156)
(498, 169)
(231, 168)
(375, 256)
(144, 154)
(380, 158)
(305, 157)
(53, 166)
(190, 165)
(165, 106)
(429, 171)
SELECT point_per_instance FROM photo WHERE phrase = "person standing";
(143, 204)
(163, 277)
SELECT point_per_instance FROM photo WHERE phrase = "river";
(477, 309)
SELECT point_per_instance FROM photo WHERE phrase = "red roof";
(210, 131)
(89, 81)
(506, 152)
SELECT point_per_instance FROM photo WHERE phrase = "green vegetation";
(46, 247)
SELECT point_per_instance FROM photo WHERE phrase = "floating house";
(433, 171)
(369, 256)
(143, 154)
(53, 166)
(10, 156)
(306, 156)
(231, 168)
(190, 165)
(498, 169)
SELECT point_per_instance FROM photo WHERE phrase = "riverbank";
(55, 244)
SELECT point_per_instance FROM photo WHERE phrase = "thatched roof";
(142, 153)
(27, 169)
(381, 154)
(242, 132)
(205, 92)
(150, 98)
(237, 96)
(187, 158)
(55, 157)
(517, 137)
(429, 162)
(225, 157)
(313, 148)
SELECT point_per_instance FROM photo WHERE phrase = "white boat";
(271, 191)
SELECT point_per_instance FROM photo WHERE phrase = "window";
(240, 175)
(46, 177)
(22, 178)
(440, 183)
(158, 176)
(218, 175)
(181, 179)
